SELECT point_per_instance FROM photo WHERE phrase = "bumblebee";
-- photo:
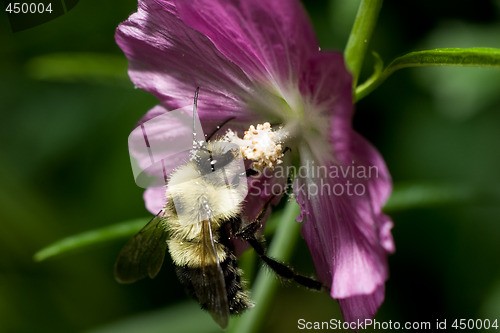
(203, 212)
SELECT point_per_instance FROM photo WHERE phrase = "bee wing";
(211, 292)
(143, 254)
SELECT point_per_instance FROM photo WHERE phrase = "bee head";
(215, 156)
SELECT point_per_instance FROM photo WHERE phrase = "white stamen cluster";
(259, 145)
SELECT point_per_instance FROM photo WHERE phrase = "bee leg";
(284, 270)
(248, 234)
(256, 224)
(251, 172)
(247, 173)
(218, 128)
(250, 230)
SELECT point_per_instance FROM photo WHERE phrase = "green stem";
(361, 32)
(266, 283)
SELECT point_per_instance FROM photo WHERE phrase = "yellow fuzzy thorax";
(196, 197)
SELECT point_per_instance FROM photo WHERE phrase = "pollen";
(259, 144)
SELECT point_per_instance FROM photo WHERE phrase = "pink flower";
(258, 61)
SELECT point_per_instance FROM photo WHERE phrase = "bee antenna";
(195, 109)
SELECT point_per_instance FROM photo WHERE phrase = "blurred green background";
(67, 108)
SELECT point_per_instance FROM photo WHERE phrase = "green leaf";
(91, 238)
(410, 196)
(473, 57)
(78, 67)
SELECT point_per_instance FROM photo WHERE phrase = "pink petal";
(170, 59)
(327, 84)
(161, 141)
(268, 39)
(348, 236)
(362, 307)
(155, 200)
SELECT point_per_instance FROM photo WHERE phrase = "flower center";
(305, 122)
(308, 124)
(260, 145)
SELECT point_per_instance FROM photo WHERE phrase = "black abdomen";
(237, 296)
(193, 279)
